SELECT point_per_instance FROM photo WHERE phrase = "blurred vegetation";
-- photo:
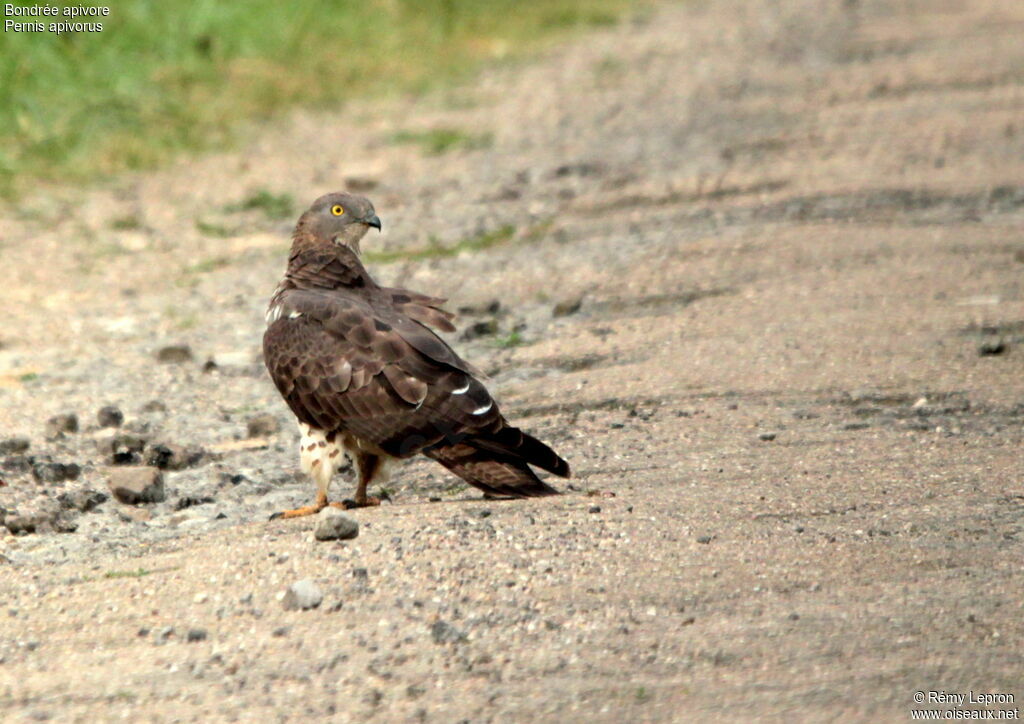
(163, 77)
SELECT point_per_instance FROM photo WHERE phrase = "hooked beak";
(373, 221)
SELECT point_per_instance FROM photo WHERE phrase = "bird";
(365, 373)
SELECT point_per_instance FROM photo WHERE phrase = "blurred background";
(169, 77)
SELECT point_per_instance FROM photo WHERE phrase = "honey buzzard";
(366, 376)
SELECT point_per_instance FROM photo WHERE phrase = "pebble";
(109, 416)
(767, 436)
(135, 485)
(991, 347)
(195, 634)
(302, 595)
(83, 499)
(174, 354)
(14, 445)
(263, 426)
(705, 539)
(444, 633)
(484, 328)
(154, 406)
(46, 472)
(567, 307)
(57, 425)
(333, 524)
(594, 509)
(168, 456)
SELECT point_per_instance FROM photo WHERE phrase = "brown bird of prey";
(366, 376)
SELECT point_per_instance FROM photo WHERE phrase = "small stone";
(333, 524)
(767, 436)
(174, 354)
(360, 573)
(122, 448)
(109, 416)
(84, 499)
(195, 634)
(281, 631)
(163, 633)
(14, 445)
(168, 456)
(567, 306)
(444, 633)
(705, 539)
(154, 406)
(594, 509)
(302, 595)
(58, 425)
(991, 347)
(263, 426)
(135, 485)
(47, 472)
(484, 328)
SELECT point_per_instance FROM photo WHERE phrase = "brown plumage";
(365, 374)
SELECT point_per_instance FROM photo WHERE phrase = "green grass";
(436, 250)
(274, 206)
(137, 573)
(167, 77)
(440, 140)
(512, 339)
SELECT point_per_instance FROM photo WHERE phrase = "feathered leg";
(367, 466)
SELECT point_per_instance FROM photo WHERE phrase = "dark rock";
(18, 463)
(767, 436)
(594, 509)
(281, 631)
(333, 524)
(492, 307)
(168, 456)
(190, 501)
(484, 328)
(58, 425)
(174, 354)
(360, 573)
(302, 595)
(109, 416)
(123, 448)
(195, 634)
(263, 426)
(154, 406)
(48, 472)
(46, 515)
(567, 306)
(705, 539)
(135, 485)
(83, 499)
(444, 633)
(991, 347)
(14, 445)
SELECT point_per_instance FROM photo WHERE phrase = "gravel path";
(759, 277)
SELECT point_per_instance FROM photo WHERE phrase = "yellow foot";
(300, 512)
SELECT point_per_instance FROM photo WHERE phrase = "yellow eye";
(337, 210)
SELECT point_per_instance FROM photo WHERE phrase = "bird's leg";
(320, 455)
(320, 504)
(367, 465)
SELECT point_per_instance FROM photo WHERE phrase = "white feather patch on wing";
(482, 410)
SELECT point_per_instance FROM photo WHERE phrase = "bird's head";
(338, 218)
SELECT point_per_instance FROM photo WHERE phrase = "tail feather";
(513, 444)
(497, 474)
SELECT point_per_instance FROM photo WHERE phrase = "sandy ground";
(791, 393)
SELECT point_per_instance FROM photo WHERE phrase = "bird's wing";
(420, 308)
(348, 362)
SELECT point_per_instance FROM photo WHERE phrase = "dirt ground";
(759, 266)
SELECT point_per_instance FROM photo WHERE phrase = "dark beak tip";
(374, 221)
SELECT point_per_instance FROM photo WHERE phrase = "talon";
(382, 496)
(275, 516)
